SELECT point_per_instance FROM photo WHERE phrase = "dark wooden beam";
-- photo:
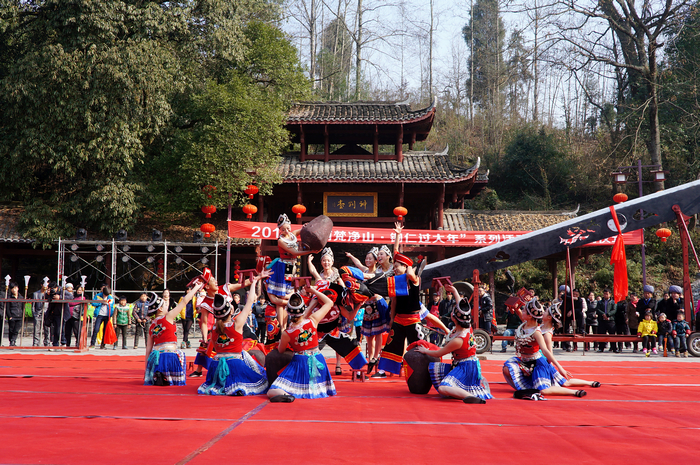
(399, 144)
(375, 146)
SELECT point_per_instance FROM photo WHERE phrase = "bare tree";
(589, 27)
(306, 13)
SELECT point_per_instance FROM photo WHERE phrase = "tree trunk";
(358, 54)
(654, 142)
(430, 50)
(312, 43)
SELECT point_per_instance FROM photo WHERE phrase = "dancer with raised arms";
(165, 363)
(233, 372)
(206, 310)
(307, 375)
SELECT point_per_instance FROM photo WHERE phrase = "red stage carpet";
(63, 409)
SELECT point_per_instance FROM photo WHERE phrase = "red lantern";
(620, 197)
(207, 229)
(208, 210)
(663, 233)
(250, 210)
(236, 269)
(209, 190)
(299, 210)
(400, 212)
(251, 190)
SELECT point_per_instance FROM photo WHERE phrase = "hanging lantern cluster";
(663, 234)
(208, 210)
(250, 209)
(400, 212)
(620, 197)
(236, 269)
(299, 210)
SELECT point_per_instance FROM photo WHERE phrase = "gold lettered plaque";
(350, 204)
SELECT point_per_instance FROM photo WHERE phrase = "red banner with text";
(269, 231)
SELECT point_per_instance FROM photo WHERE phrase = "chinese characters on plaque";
(350, 204)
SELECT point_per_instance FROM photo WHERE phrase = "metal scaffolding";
(132, 266)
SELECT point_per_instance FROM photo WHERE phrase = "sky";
(384, 58)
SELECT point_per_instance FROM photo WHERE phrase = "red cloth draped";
(618, 258)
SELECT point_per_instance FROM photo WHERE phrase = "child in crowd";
(681, 330)
(122, 320)
(647, 331)
(665, 337)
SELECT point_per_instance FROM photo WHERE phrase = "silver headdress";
(283, 219)
(327, 251)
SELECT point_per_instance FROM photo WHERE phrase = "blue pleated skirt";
(306, 376)
(169, 362)
(377, 320)
(234, 375)
(277, 284)
(466, 375)
(539, 375)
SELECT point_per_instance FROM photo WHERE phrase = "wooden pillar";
(401, 192)
(260, 208)
(326, 145)
(375, 149)
(441, 208)
(299, 199)
(575, 257)
(440, 252)
(399, 144)
(492, 289)
(412, 141)
(302, 140)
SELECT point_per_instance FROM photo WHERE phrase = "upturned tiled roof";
(503, 220)
(9, 218)
(415, 167)
(363, 112)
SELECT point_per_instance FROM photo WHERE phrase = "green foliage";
(102, 102)
(680, 110)
(235, 123)
(536, 167)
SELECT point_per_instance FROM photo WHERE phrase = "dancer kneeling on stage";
(462, 379)
(233, 372)
(551, 321)
(528, 372)
(165, 363)
(307, 375)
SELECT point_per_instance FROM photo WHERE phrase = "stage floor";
(75, 409)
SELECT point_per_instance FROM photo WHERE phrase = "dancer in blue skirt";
(307, 375)
(165, 363)
(233, 372)
(529, 372)
(462, 378)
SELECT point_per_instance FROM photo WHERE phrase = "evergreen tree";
(485, 36)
